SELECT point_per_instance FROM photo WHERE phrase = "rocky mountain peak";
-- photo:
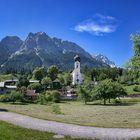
(104, 59)
(36, 40)
(11, 43)
(37, 34)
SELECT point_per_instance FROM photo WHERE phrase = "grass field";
(123, 116)
(11, 132)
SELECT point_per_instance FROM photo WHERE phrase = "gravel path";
(69, 129)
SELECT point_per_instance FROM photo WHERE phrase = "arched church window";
(77, 80)
(77, 75)
(77, 65)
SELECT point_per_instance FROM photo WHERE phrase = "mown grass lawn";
(11, 132)
(123, 116)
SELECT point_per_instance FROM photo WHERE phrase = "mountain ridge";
(39, 49)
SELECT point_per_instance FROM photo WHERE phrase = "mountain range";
(39, 49)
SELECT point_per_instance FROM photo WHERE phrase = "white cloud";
(105, 17)
(98, 25)
(93, 27)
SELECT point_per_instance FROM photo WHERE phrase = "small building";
(8, 86)
(76, 74)
(68, 93)
(33, 81)
(56, 84)
(31, 95)
(2, 88)
(11, 82)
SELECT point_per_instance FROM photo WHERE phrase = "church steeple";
(77, 62)
(77, 77)
(77, 58)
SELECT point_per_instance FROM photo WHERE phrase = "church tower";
(76, 74)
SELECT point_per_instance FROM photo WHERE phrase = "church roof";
(77, 58)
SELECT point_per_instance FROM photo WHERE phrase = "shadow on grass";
(3, 110)
(119, 104)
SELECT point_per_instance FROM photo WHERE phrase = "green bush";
(136, 88)
(35, 86)
(42, 99)
(13, 96)
(48, 97)
(55, 96)
(5, 98)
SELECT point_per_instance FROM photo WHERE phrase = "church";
(76, 74)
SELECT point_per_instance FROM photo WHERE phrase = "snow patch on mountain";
(37, 53)
(104, 59)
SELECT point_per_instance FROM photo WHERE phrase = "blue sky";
(99, 26)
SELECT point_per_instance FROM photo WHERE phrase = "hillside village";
(76, 78)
